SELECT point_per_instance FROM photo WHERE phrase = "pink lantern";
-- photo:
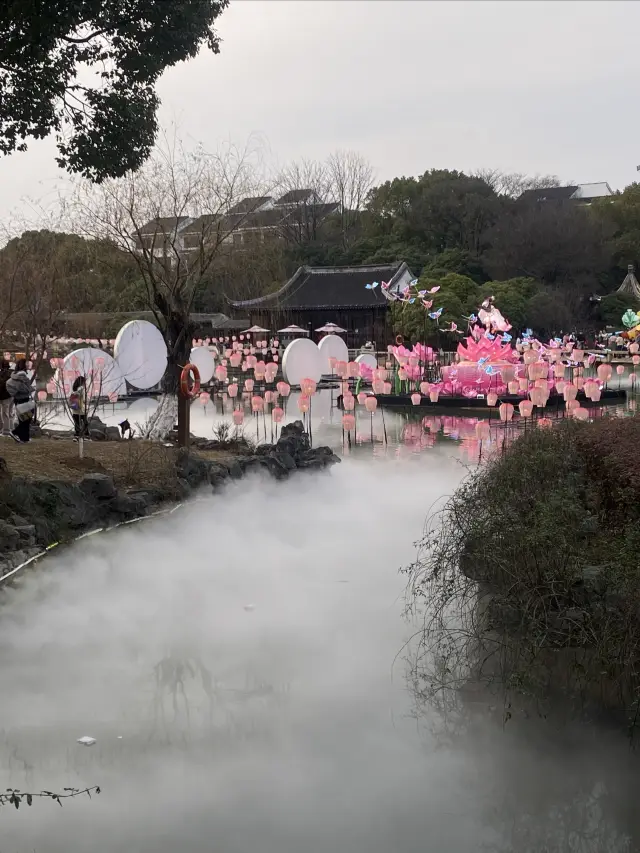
(604, 372)
(348, 422)
(569, 392)
(342, 369)
(633, 348)
(232, 390)
(269, 397)
(42, 396)
(580, 414)
(380, 373)
(303, 404)
(579, 382)
(620, 369)
(236, 359)
(525, 407)
(221, 373)
(635, 359)
(349, 402)
(353, 369)
(572, 404)
(506, 412)
(277, 415)
(424, 388)
(530, 356)
(204, 398)
(596, 394)
(249, 385)
(257, 404)
(275, 359)
(492, 398)
(513, 387)
(332, 362)
(283, 389)
(387, 388)
(539, 397)
(632, 377)
(508, 373)
(559, 370)
(577, 355)
(238, 417)
(371, 404)
(434, 394)
(416, 399)
(377, 386)
(308, 387)
(362, 396)
(523, 384)
(482, 430)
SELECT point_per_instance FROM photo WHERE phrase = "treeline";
(551, 265)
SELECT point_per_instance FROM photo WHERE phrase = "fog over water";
(238, 664)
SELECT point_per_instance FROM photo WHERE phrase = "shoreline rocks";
(34, 514)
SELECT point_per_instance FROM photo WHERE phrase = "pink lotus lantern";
(572, 404)
(349, 402)
(378, 386)
(539, 397)
(303, 404)
(283, 389)
(249, 385)
(620, 369)
(424, 388)
(42, 396)
(342, 369)
(348, 422)
(513, 387)
(387, 388)
(257, 404)
(483, 430)
(277, 415)
(596, 394)
(269, 396)
(353, 370)
(560, 386)
(204, 398)
(604, 372)
(434, 394)
(332, 362)
(275, 359)
(236, 359)
(238, 417)
(579, 382)
(371, 404)
(232, 390)
(525, 407)
(530, 356)
(634, 348)
(244, 366)
(523, 384)
(416, 399)
(362, 396)
(506, 412)
(569, 392)
(308, 387)
(221, 373)
(559, 370)
(492, 398)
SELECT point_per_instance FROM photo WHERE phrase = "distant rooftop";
(576, 192)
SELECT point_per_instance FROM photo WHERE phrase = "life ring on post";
(190, 381)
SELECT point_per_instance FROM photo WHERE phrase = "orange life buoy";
(190, 381)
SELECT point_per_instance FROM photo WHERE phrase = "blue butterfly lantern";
(435, 314)
(372, 286)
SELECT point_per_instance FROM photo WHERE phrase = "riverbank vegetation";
(529, 577)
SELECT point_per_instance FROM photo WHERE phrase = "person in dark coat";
(6, 400)
(20, 388)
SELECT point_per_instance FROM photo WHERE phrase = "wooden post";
(184, 417)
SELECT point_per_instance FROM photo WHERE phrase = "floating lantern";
(348, 422)
(238, 417)
(604, 371)
(277, 415)
(249, 385)
(525, 407)
(303, 404)
(387, 388)
(492, 398)
(434, 394)
(377, 386)
(342, 369)
(506, 412)
(633, 348)
(204, 398)
(416, 399)
(257, 404)
(349, 402)
(559, 370)
(308, 387)
(371, 404)
(353, 370)
(232, 390)
(362, 396)
(269, 397)
(283, 389)
(221, 373)
(620, 369)
(513, 387)
(569, 392)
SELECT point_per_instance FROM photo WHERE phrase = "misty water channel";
(242, 666)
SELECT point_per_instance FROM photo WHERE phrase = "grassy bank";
(532, 571)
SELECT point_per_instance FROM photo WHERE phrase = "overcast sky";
(535, 87)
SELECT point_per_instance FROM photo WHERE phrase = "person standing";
(19, 387)
(78, 406)
(6, 400)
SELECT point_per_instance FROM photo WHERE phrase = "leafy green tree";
(613, 306)
(108, 127)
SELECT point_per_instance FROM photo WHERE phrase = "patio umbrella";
(332, 329)
(255, 330)
(293, 330)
